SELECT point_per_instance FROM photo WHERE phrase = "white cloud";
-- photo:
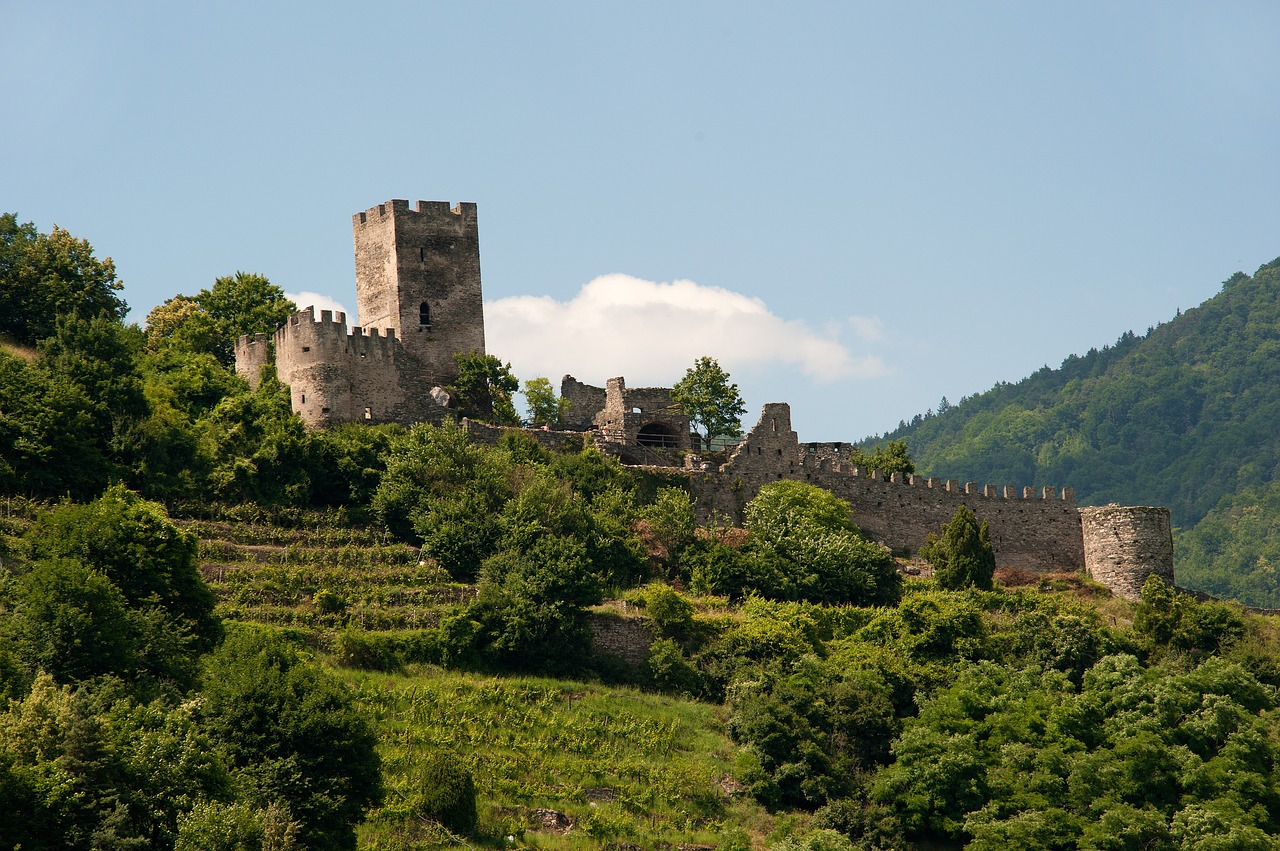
(319, 302)
(651, 332)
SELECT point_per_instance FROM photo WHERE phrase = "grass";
(610, 764)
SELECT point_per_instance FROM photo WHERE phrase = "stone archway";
(659, 435)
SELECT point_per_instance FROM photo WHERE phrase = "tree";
(293, 734)
(239, 304)
(962, 557)
(710, 401)
(893, 457)
(483, 388)
(183, 323)
(545, 408)
(71, 622)
(150, 560)
(804, 546)
(44, 276)
(448, 792)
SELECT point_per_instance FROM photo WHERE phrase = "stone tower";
(418, 274)
(1125, 544)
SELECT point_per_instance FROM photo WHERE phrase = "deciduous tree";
(545, 408)
(483, 389)
(44, 276)
(711, 402)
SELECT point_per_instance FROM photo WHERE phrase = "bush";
(670, 671)
(669, 612)
(448, 793)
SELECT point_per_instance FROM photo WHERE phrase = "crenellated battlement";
(1032, 527)
(1044, 493)
(429, 209)
(304, 339)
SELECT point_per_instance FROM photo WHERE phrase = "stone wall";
(336, 376)
(253, 352)
(1031, 529)
(585, 401)
(555, 441)
(644, 415)
(1123, 545)
(420, 302)
(418, 273)
(626, 639)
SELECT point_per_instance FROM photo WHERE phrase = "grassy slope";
(621, 764)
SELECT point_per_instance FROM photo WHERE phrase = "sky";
(856, 208)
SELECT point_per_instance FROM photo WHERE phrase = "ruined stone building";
(419, 301)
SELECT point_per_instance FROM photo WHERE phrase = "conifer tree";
(962, 557)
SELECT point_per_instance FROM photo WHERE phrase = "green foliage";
(668, 611)
(530, 614)
(293, 734)
(1182, 416)
(1028, 759)
(815, 730)
(139, 549)
(545, 408)
(236, 826)
(433, 471)
(45, 276)
(670, 522)
(88, 770)
(709, 400)
(71, 622)
(484, 387)
(890, 458)
(962, 557)
(70, 412)
(669, 669)
(630, 766)
(447, 792)
(803, 546)
(1234, 551)
(243, 303)
(1170, 620)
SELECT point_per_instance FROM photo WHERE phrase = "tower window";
(424, 315)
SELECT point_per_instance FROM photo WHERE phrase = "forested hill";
(1187, 416)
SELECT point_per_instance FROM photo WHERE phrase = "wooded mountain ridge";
(1183, 416)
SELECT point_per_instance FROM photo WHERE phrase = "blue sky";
(857, 208)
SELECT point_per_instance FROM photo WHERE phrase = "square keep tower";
(418, 272)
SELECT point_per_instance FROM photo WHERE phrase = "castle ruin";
(420, 304)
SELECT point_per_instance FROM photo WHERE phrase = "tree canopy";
(961, 556)
(484, 387)
(44, 276)
(711, 402)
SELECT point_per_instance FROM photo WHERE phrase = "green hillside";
(1185, 416)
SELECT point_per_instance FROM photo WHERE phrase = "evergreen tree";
(962, 557)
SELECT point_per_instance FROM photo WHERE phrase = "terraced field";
(557, 764)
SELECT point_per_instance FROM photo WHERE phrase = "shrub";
(669, 612)
(448, 793)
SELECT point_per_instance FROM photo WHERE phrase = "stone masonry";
(420, 302)
(1124, 545)
(1031, 529)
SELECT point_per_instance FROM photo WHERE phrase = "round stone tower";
(1125, 544)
